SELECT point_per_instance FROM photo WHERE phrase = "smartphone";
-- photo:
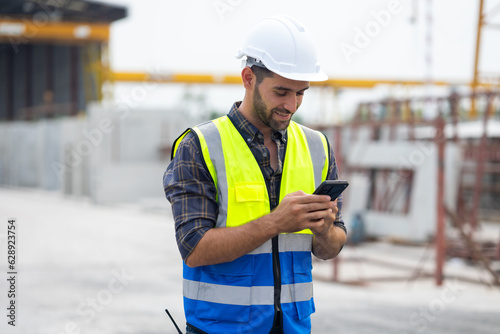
(331, 187)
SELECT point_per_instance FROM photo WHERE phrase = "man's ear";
(248, 77)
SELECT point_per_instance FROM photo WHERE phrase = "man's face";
(276, 99)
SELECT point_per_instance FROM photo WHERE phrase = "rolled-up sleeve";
(190, 189)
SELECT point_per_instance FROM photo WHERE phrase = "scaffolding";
(478, 192)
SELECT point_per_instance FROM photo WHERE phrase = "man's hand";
(298, 211)
(327, 221)
(328, 238)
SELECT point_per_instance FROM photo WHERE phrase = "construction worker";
(240, 188)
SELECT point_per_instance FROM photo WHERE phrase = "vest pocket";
(247, 201)
(249, 192)
(225, 291)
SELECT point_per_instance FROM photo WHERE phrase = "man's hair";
(261, 73)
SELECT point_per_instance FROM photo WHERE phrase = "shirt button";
(265, 155)
(249, 140)
(273, 203)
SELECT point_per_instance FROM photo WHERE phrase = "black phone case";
(332, 188)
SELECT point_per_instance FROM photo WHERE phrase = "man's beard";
(260, 109)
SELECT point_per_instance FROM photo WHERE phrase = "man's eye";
(280, 94)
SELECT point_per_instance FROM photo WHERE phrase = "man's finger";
(314, 199)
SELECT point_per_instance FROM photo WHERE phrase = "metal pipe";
(475, 80)
(340, 163)
(440, 141)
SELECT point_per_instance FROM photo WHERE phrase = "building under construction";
(52, 56)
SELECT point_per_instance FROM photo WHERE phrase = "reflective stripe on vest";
(238, 295)
(287, 243)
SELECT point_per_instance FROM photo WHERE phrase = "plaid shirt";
(189, 186)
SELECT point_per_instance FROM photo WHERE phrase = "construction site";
(84, 146)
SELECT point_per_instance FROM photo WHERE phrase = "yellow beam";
(22, 31)
(235, 79)
(363, 83)
(175, 78)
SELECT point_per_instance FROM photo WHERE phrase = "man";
(240, 187)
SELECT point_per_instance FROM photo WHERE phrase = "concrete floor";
(84, 268)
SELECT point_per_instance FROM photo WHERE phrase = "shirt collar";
(247, 129)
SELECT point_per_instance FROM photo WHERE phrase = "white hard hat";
(284, 47)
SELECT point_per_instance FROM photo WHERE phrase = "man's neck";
(246, 111)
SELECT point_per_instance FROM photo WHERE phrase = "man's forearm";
(220, 245)
(329, 244)
(296, 211)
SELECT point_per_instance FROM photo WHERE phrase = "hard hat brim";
(312, 77)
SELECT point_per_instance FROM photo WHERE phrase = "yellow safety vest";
(228, 293)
